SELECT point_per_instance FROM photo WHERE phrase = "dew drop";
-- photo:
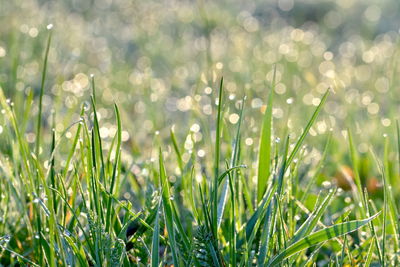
(6, 238)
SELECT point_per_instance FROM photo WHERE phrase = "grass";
(72, 197)
(73, 216)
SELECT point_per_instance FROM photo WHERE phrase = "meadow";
(199, 133)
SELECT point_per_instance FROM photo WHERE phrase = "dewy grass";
(70, 205)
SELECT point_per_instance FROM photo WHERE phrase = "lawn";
(199, 133)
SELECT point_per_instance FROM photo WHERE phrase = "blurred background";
(161, 62)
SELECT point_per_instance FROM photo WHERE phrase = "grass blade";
(156, 240)
(234, 159)
(39, 119)
(305, 132)
(264, 154)
(166, 200)
(214, 213)
(318, 237)
(313, 219)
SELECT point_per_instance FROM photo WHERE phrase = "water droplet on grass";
(6, 238)
(86, 106)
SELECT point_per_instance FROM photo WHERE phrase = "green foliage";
(85, 185)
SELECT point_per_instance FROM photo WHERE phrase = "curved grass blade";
(225, 173)
(318, 237)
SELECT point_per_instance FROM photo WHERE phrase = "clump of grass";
(75, 214)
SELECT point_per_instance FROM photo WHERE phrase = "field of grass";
(199, 133)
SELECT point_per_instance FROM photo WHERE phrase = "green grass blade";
(313, 218)
(372, 228)
(98, 146)
(156, 240)
(318, 237)
(354, 159)
(264, 154)
(398, 143)
(168, 214)
(214, 213)
(39, 118)
(255, 221)
(115, 167)
(392, 207)
(306, 130)
(233, 162)
(257, 214)
(177, 151)
(385, 207)
(265, 236)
